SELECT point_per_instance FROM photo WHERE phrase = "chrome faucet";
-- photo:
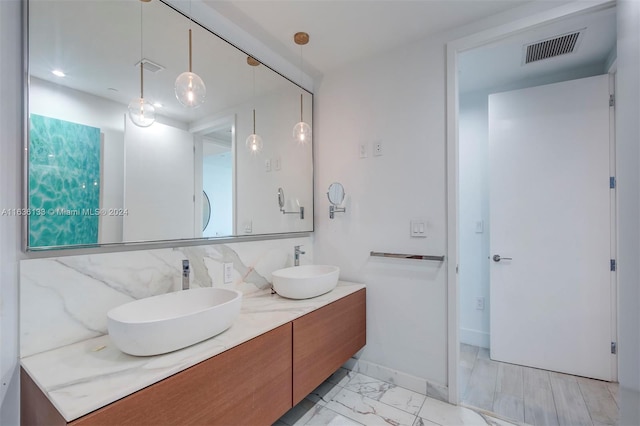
(296, 255)
(185, 274)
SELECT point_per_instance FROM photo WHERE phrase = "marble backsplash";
(64, 300)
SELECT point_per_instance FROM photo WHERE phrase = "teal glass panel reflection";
(64, 182)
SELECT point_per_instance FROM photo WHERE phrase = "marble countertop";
(88, 375)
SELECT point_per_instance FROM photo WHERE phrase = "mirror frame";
(150, 244)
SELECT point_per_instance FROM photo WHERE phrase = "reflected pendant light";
(190, 89)
(254, 141)
(141, 112)
(301, 131)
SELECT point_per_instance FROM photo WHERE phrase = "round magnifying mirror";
(281, 197)
(336, 193)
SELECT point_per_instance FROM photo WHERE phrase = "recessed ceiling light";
(58, 73)
(157, 104)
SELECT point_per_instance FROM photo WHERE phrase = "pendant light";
(141, 112)
(254, 141)
(190, 89)
(301, 131)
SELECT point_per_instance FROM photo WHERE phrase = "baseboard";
(474, 337)
(629, 406)
(404, 380)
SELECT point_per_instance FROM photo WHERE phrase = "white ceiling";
(98, 44)
(83, 42)
(343, 31)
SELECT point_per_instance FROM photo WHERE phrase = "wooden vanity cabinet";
(254, 383)
(249, 384)
(325, 339)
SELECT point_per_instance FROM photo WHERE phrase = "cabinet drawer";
(325, 339)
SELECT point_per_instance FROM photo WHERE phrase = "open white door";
(550, 213)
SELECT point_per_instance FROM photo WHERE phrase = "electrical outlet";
(480, 303)
(377, 149)
(267, 165)
(248, 227)
(228, 272)
(277, 163)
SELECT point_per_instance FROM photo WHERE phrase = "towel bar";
(408, 256)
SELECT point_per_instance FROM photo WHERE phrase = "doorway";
(481, 381)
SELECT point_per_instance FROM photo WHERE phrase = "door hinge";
(612, 100)
(612, 182)
(613, 264)
(614, 347)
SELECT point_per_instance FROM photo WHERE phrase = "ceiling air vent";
(150, 65)
(552, 47)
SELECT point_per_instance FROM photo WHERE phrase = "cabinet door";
(249, 384)
(325, 339)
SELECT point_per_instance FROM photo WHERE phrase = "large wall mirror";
(96, 178)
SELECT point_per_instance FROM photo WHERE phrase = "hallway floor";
(533, 396)
(348, 398)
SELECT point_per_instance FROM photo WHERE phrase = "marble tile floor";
(348, 398)
(533, 396)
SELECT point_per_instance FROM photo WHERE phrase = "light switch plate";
(363, 150)
(479, 226)
(418, 228)
(228, 273)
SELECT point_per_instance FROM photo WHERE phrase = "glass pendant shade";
(190, 89)
(302, 132)
(254, 143)
(142, 113)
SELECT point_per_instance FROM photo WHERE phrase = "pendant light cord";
(301, 74)
(190, 69)
(141, 55)
(190, 26)
(253, 70)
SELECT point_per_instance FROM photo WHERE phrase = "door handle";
(497, 258)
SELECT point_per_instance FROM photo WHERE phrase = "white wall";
(628, 175)
(396, 99)
(11, 90)
(159, 195)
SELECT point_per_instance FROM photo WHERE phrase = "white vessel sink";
(172, 321)
(303, 282)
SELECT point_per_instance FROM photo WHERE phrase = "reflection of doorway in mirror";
(217, 181)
